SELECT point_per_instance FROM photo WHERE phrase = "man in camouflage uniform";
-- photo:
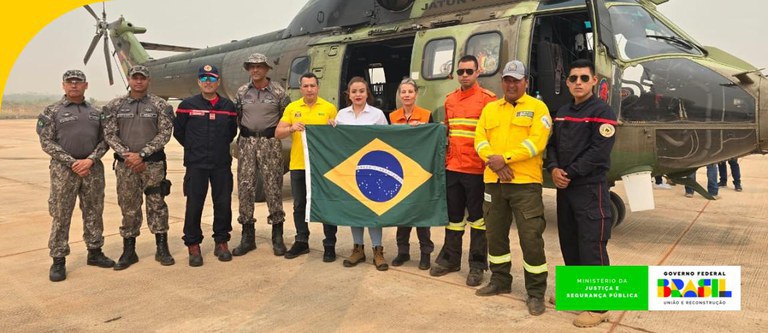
(70, 131)
(260, 105)
(137, 126)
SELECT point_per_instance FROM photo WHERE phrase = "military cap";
(139, 69)
(257, 58)
(208, 70)
(73, 74)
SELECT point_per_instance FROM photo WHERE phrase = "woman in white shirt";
(359, 112)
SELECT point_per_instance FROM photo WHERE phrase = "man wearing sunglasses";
(464, 176)
(70, 132)
(260, 104)
(511, 135)
(205, 125)
(578, 157)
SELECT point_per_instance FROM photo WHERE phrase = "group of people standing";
(494, 161)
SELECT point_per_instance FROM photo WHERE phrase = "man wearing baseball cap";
(70, 132)
(205, 125)
(137, 126)
(510, 137)
(260, 104)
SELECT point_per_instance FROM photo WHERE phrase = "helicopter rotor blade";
(94, 41)
(109, 62)
(90, 10)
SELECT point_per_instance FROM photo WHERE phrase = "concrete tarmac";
(260, 292)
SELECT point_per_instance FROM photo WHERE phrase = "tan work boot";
(378, 258)
(357, 256)
(590, 319)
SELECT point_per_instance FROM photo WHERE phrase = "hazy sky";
(737, 27)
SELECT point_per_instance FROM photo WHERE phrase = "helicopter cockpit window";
(485, 47)
(682, 91)
(299, 67)
(639, 34)
(438, 59)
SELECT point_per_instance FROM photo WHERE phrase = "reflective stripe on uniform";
(462, 121)
(481, 145)
(461, 133)
(455, 226)
(502, 259)
(530, 146)
(535, 269)
(479, 224)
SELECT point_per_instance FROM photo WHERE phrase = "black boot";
(401, 259)
(278, 247)
(424, 261)
(58, 270)
(163, 255)
(329, 253)
(129, 256)
(247, 242)
(97, 258)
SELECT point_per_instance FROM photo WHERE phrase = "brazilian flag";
(375, 175)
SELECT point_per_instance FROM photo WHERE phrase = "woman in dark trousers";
(412, 115)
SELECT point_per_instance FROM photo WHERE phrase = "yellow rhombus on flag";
(344, 176)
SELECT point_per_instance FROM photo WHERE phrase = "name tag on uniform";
(528, 114)
(149, 115)
(67, 119)
(197, 113)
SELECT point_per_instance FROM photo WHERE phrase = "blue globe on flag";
(379, 176)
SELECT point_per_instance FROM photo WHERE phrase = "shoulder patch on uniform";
(168, 111)
(42, 120)
(607, 130)
(546, 122)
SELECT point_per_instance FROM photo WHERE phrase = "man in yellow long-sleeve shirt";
(510, 137)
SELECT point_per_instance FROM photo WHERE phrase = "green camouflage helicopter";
(680, 105)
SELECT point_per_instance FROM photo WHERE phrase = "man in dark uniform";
(205, 125)
(578, 157)
(260, 104)
(464, 176)
(137, 126)
(70, 132)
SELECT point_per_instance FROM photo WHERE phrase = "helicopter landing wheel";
(618, 209)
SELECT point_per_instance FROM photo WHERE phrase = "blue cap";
(208, 70)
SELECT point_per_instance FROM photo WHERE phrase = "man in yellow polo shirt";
(309, 110)
(510, 137)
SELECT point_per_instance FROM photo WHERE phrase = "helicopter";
(680, 105)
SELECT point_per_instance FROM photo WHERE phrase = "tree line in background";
(29, 105)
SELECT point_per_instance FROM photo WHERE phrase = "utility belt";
(158, 156)
(164, 188)
(266, 133)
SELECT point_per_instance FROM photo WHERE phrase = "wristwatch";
(142, 154)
